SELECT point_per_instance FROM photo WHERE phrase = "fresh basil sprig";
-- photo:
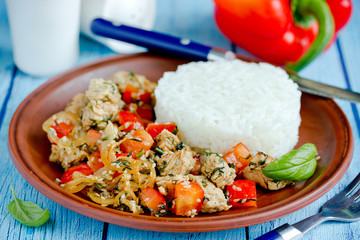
(296, 165)
(28, 213)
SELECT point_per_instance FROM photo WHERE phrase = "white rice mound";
(216, 105)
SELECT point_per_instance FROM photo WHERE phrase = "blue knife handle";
(284, 232)
(151, 40)
(273, 235)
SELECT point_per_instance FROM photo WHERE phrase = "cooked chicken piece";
(254, 172)
(169, 142)
(178, 163)
(166, 185)
(123, 78)
(66, 154)
(214, 199)
(104, 90)
(215, 168)
(78, 102)
(104, 105)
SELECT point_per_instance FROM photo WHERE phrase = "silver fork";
(343, 207)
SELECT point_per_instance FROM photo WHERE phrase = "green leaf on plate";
(28, 213)
(296, 165)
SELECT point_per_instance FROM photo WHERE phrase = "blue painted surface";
(191, 19)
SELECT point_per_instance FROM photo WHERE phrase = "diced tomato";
(145, 97)
(134, 121)
(156, 128)
(242, 193)
(139, 140)
(121, 154)
(116, 174)
(63, 129)
(128, 93)
(196, 169)
(94, 161)
(92, 137)
(152, 199)
(145, 112)
(82, 167)
(240, 156)
(188, 199)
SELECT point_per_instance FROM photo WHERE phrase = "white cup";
(136, 13)
(45, 34)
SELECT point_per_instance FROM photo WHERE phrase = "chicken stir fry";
(114, 153)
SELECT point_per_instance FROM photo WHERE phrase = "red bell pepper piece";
(62, 129)
(131, 119)
(240, 156)
(278, 31)
(82, 167)
(94, 161)
(188, 199)
(155, 129)
(139, 141)
(129, 93)
(92, 136)
(242, 193)
(153, 200)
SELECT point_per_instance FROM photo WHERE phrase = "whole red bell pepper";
(284, 32)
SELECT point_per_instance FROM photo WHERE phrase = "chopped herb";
(130, 153)
(123, 162)
(227, 197)
(131, 74)
(91, 108)
(135, 139)
(164, 165)
(104, 138)
(219, 169)
(76, 164)
(208, 153)
(158, 150)
(175, 130)
(232, 165)
(106, 119)
(140, 153)
(180, 146)
(98, 186)
(204, 183)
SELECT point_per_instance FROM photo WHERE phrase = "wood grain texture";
(190, 19)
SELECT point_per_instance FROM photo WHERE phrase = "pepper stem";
(321, 11)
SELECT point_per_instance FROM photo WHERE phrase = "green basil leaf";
(28, 213)
(296, 165)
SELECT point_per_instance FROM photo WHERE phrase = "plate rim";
(187, 224)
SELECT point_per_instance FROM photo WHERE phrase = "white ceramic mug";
(136, 13)
(45, 34)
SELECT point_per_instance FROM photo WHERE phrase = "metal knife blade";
(324, 90)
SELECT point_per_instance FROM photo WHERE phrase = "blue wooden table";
(339, 66)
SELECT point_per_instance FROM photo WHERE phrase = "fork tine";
(351, 187)
(356, 195)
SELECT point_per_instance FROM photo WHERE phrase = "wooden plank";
(63, 224)
(6, 61)
(190, 19)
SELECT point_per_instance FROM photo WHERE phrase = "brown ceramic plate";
(323, 123)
